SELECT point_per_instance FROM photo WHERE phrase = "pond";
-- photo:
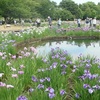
(74, 47)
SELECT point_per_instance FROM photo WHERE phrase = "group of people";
(59, 22)
(89, 22)
(38, 22)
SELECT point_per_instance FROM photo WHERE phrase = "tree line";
(30, 9)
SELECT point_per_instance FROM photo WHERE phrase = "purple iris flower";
(53, 57)
(63, 66)
(80, 55)
(34, 79)
(63, 58)
(48, 79)
(44, 60)
(63, 72)
(69, 62)
(56, 56)
(86, 86)
(51, 90)
(21, 98)
(62, 92)
(90, 90)
(86, 71)
(77, 95)
(99, 66)
(96, 87)
(65, 52)
(51, 95)
(31, 90)
(88, 65)
(40, 86)
(42, 80)
(54, 65)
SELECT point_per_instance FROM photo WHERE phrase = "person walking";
(87, 22)
(94, 22)
(38, 22)
(49, 21)
(79, 22)
(15, 22)
(90, 22)
(59, 22)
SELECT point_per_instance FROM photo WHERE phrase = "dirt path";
(11, 27)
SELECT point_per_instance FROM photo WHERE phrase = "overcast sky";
(78, 1)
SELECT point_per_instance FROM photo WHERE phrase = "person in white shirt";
(38, 21)
(79, 22)
(94, 22)
(59, 22)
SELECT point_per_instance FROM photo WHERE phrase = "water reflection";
(74, 48)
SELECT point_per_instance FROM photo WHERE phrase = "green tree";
(63, 14)
(89, 9)
(46, 8)
(10, 9)
(72, 7)
(98, 11)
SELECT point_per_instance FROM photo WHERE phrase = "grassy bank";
(43, 33)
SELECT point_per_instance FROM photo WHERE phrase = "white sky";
(78, 1)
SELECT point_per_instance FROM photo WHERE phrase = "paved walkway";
(9, 27)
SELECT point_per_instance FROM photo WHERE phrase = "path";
(11, 28)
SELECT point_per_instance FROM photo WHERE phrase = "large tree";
(14, 9)
(98, 11)
(72, 7)
(89, 9)
(63, 14)
(46, 8)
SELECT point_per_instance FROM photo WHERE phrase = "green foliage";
(72, 7)
(14, 9)
(89, 9)
(10, 9)
(63, 14)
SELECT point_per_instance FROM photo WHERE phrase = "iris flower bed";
(31, 78)
(87, 78)
(56, 76)
(43, 32)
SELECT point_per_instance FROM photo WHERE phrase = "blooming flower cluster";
(89, 80)
(5, 85)
(51, 92)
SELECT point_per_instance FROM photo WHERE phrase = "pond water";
(74, 48)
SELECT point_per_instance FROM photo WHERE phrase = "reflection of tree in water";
(72, 42)
(83, 42)
(90, 42)
(99, 43)
(76, 42)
